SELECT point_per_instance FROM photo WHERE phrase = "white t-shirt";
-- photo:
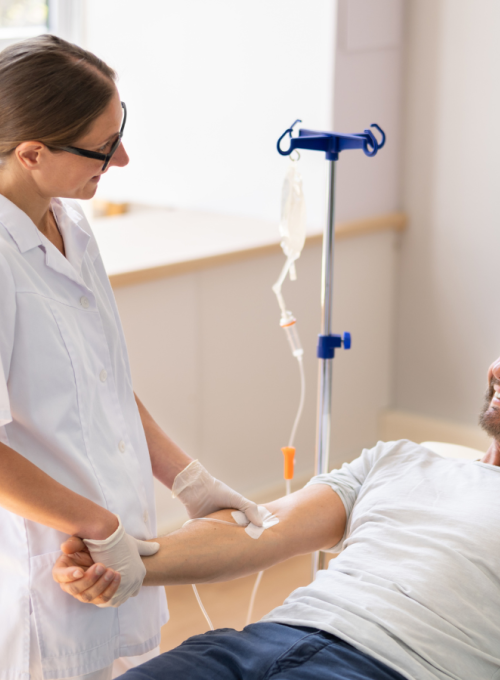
(67, 405)
(417, 581)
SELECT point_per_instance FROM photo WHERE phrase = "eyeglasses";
(106, 157)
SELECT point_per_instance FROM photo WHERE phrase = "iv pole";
(332, 144)
(325, 370)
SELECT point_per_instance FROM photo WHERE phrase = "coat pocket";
(74, 637)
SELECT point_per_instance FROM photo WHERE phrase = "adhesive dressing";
(268, 520)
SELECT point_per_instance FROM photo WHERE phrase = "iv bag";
(293, 214)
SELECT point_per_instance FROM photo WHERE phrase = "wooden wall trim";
(370, 225)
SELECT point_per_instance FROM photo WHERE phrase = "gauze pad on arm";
(268, 520)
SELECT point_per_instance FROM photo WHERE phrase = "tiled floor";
(227, 603)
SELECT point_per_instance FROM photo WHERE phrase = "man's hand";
(79, 576)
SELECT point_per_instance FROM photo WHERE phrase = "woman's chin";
(87, 192)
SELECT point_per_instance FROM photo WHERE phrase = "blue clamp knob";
(328, 343)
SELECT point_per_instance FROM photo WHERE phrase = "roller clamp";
(328, 343)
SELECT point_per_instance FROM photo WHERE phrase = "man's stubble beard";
(489, 418)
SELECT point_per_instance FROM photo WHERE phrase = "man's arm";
(311, 519)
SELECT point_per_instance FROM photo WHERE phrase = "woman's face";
(66, 175)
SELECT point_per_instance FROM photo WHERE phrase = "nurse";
(78, 450)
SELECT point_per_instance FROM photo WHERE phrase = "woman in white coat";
(78, 450)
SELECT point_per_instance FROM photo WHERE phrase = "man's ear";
(30, 154)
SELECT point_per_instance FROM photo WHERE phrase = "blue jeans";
(263, 651)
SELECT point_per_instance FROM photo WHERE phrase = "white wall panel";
(448, 320)
(368, 89)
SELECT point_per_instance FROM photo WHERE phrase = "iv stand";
(332, 144)
(325, 376)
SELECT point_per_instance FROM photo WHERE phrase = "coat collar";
(76, 239)
(21, 228)
(72, 224)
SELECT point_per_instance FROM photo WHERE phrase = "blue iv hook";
(332, 143)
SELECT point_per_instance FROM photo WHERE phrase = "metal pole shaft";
(325, 365)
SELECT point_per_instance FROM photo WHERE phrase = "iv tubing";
(277, 286)
(252, 597)
(288, 482)
(301, 402)
(257, 581)
(195, 589)
(203, 610)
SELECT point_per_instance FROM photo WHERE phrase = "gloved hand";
(122, 552)
(202, 494)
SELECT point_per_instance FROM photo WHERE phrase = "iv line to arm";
(310, 519)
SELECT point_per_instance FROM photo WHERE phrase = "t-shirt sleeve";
(347, 481)
(7, 323)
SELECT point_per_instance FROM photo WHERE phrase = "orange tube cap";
(289, 453)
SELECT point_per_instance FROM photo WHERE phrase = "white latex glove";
(122, 552)
(202, 494)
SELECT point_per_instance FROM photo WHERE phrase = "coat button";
(122, 446)
(84, 302)
(103, 375)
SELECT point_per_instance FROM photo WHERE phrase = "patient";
(414, 592)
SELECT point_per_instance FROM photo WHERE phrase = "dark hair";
(50, 91)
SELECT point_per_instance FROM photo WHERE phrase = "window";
(23, 18)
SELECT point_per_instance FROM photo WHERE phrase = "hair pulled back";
(50, 91)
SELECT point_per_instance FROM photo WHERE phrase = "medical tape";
(268, 520)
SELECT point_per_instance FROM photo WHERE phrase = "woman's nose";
(120, 157)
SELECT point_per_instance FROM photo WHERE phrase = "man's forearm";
(167, 459)
(311, 519)
(29, 492)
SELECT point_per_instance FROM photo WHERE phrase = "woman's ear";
(30, 154)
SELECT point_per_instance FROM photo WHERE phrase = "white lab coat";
(67, 405)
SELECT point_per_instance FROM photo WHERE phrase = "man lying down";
(414, 592)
